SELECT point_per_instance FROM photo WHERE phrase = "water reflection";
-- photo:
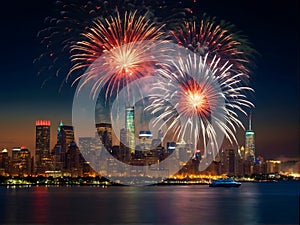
(38, 201)
(199, 204)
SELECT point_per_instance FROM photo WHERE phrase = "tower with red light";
(42, 145)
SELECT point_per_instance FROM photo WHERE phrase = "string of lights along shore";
(66, 158)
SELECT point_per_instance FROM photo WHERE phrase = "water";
(252, 203)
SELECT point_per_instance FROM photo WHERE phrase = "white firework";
(198, 101)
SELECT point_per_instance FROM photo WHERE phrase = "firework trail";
(198, 100)
(61, 31)
(128, 46)
(206, 35)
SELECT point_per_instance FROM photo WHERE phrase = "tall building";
(250, 143)
(104, 131)
(14, 170)
(129, 125)
(90, 148)
(273, 166)
(124, 150)
(25, 162)
(4, 163)
(229, 161)
(145, 140)
(74, 160)
(21, 164)
(65, 135)
(144, 146)
(241, 152)
(42, 144)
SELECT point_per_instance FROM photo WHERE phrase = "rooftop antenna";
(250, 118)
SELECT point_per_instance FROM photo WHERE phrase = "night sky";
(271, 26)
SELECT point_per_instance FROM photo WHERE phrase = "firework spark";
(198, 99)
(128, 47)
(206, 35)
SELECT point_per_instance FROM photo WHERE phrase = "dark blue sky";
(272, 27)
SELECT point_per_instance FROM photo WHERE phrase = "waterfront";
(251, 203)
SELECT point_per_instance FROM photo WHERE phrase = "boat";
(224, 182)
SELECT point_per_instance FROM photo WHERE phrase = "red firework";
(205, 35)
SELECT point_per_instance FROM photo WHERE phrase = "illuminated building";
(250, 144)
(273, 166)
(42, 145)
(129, 125)
(241, 152)
(25, 162)
(145, 139)
(4, 162)
(65, 135)
(259, 166)
(14, 170)
(291, 167)
(21, 162)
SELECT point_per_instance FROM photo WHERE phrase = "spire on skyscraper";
(250, 142)
(250, 121)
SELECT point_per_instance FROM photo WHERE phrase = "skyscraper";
(74, 160)
(4, 162)
(15, 161)
(104, 131)
(250, 143)
(124, 150)
(228, 159)
(129, 125)
(25, 162)
(42, 144)
(65, 135)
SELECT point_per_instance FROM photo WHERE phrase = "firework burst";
(198, 100)
(206, 35)
(118, 50)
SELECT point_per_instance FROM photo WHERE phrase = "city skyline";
(275, 117)
(86, 157)
(43, 128)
